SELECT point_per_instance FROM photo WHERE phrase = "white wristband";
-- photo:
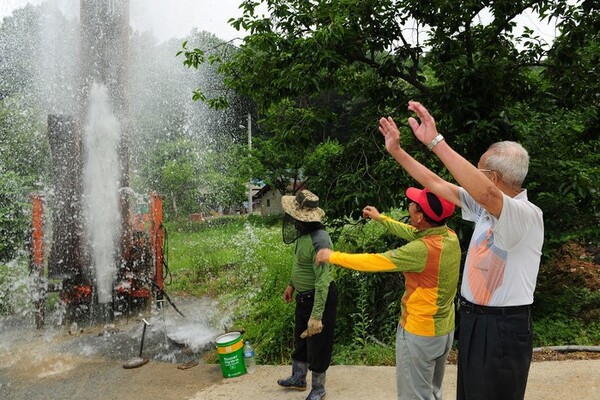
(435, 141)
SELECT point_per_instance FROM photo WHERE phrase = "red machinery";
(139, 277)
(142, 271)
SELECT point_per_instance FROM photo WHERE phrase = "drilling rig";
(137, 259)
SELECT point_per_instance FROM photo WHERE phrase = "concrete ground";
(87, 364)
(548, 380)
(30, 374)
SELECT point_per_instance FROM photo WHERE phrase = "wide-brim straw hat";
(304, 206)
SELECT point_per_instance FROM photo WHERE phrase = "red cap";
(435, 207)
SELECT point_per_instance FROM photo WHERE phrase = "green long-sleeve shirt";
(306, 275)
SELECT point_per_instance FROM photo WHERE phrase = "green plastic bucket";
(230, 347)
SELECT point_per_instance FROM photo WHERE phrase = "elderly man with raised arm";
(499, 278)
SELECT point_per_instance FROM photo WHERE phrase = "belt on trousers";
(306, 295)
(477, 309)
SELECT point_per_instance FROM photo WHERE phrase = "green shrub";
(567, 317)
(267, 319)
(371, 354)
(15, 214)
(15, 284)
(246, 265)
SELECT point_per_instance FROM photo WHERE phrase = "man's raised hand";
(390, 132)
(425, 131)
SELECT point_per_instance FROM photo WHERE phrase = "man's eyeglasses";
(498, 174)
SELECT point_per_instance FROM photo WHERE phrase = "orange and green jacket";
(430, 262)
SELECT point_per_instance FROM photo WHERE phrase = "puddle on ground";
(169, 337)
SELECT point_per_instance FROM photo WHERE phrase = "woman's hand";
(391, 134)
(371, 212)
(288, 294)
(323, 256)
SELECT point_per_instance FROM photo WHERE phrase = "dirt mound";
(552, 355)
(576, 265)
(548, 354)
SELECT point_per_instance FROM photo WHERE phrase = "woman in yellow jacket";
(430, 262)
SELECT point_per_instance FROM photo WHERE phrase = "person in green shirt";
(430, 262)
(316, 293)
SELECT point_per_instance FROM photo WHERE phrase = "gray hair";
(510, 160)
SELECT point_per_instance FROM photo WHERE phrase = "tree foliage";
(194, 179)
(325, 71)
(23, 148)
(23, 165)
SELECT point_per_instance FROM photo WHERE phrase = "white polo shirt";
(503, 259)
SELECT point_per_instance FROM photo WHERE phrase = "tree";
(23, 165)
(24, 156)
(324, 70)
(173, 171)
(316, 78)
(223, 177)
(195, 179)
(14, 214)
(176, 141)
(162, 108)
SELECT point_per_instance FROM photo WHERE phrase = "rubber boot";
(298, 378)
(318, 386)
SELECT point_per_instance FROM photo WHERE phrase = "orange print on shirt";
(485, 268)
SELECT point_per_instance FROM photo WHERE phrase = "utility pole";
(250, 155)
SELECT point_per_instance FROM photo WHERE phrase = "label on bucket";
(230, 349)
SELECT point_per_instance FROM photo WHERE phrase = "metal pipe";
(250, 155)
(157, 236)
(37, 270)
(143, 336)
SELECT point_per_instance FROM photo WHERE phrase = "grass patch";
(244, 264)
(199, 257)
(370, 354)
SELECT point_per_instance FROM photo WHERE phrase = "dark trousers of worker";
(494, 352)
(316, 349)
